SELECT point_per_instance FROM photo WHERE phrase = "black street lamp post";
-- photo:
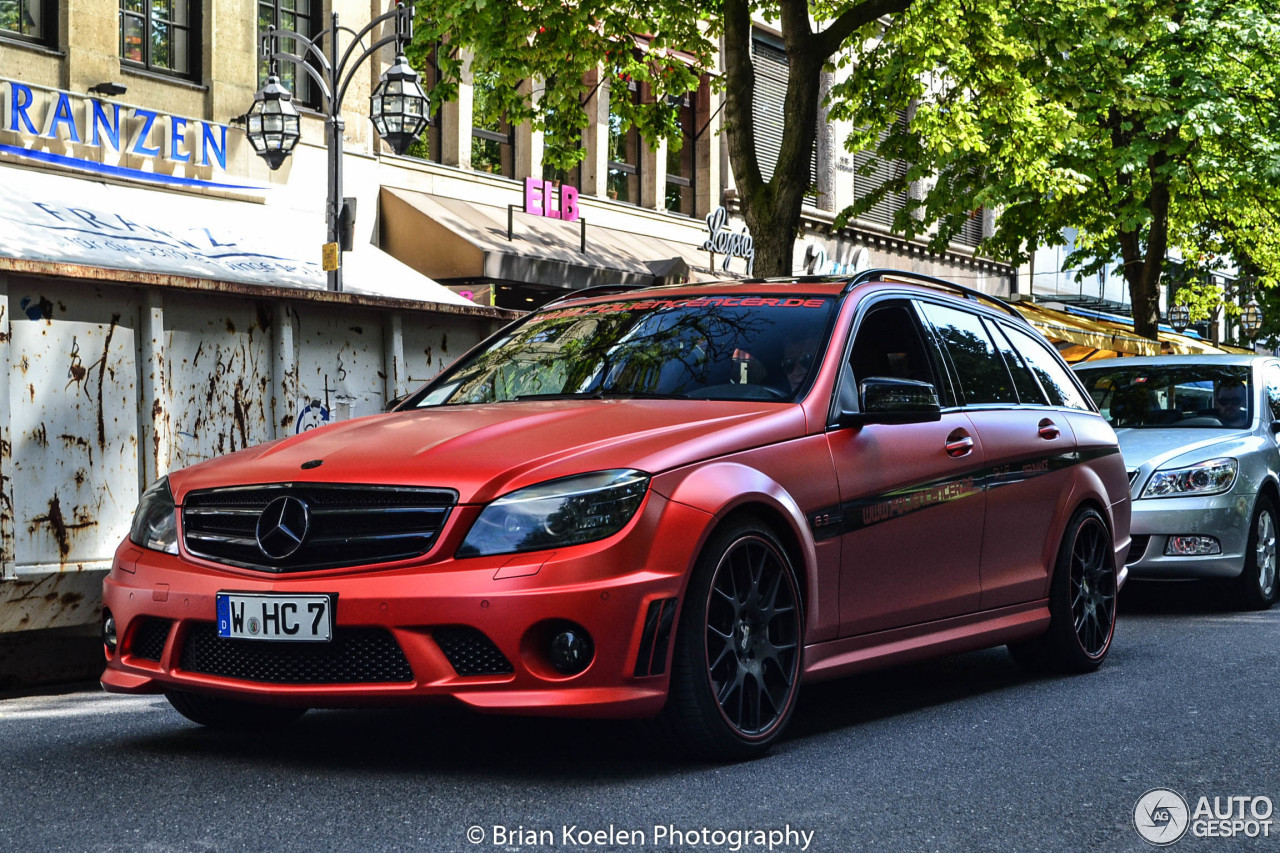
(397, 108)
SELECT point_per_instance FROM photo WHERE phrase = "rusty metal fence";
(108, 385)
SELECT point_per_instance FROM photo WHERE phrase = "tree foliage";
(556, 47)
(1151, 126)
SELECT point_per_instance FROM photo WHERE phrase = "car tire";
(1082, 602)
(738, 648)
(1256, 586)
(216, 712)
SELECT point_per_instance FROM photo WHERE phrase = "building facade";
(162, 296)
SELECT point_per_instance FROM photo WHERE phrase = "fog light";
(570, 651)
(109, 630)
(1191, 546)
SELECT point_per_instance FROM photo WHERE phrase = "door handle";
(1049, 430)
(959, 443)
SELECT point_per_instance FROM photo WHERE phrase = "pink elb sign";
(541, 197)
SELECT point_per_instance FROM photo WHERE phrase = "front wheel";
(218, 713)
(1256, 587)
(1082, 601)
(738, 648)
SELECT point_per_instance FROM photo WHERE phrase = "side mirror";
(894, 401)
(395, 402)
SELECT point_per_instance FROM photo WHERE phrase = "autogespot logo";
(1161, 816)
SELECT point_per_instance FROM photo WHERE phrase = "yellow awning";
(1094, 336)
(1090, 339)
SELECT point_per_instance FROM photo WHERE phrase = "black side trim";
(655, 637)
(858, 513)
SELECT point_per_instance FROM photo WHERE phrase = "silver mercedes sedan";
(1200, 435)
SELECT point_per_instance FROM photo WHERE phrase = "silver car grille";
(345, 525)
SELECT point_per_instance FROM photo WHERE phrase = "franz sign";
(107, 138)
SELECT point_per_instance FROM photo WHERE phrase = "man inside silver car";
(1232, 402)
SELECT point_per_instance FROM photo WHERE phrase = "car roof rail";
(597, 290)
(889, 274)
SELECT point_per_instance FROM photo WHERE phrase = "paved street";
(967, 753)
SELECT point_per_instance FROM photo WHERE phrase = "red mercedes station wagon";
(679, 503)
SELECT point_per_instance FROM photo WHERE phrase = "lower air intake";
(470, 652)
(353, 656)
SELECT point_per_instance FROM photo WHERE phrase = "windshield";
(711, 347)
(1183, 395)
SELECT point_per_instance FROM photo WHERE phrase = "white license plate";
(258, 616)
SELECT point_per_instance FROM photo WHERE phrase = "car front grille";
(347, 525)
(470, 652)
(353, 656)
(149, 638)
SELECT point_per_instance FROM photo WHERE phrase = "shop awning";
(1090, 338)
(1082, 339)
(455, 241)
(57, 220)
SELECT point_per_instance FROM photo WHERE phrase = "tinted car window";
(1029, 390)
(1273, 390)
(980, 372)
(1054, 377)
(1164, 396)
(709, 347)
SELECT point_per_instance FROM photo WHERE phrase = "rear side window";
(979, 368)
(1029, 391)
(1054, 377)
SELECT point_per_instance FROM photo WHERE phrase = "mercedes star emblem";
(282, 527)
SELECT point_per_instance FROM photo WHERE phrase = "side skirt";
(932, 639)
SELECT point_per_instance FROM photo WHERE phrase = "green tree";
(1150, 126)
(560, 45)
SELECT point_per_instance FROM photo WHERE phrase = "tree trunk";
(772, 209)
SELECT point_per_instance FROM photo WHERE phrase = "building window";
(29, 20)
(564, 138)
(161, 35)
(624, 148)
(880, 170)
(767, 110)
(299, 16)
(493, 146)
(681, 185)
(428, 146)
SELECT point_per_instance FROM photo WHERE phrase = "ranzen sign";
(55, 127)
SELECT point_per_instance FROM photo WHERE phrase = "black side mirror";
(894, 401)
(394, 402)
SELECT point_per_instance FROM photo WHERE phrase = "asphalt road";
(966, 753)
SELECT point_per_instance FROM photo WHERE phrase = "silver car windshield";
(1165, 396)
(707, 347)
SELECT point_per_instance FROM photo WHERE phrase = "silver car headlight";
(1211, 477)
(568, 511)
(155, 522)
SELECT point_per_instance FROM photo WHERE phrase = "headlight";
(568, 511)
(155, 523)
(1207, 478)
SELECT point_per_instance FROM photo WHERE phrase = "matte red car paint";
(900, 549)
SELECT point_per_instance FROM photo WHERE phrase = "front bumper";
(1224, 517)
(622, 590)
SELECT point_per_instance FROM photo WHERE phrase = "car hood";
(484, 451)
(1158, 447)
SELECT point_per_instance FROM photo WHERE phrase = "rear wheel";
(232, 714)
(1082, 601)
(1256, 587)
(739, 643)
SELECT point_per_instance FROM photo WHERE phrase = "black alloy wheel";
(738, 649)
(1093, 586)
(753, 636)
(1082, 601)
